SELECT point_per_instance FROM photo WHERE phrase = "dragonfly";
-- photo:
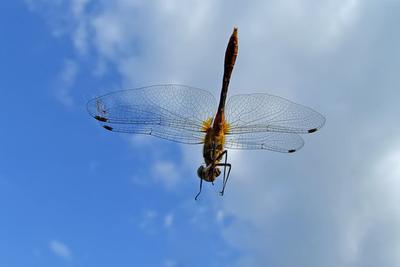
(189, 115)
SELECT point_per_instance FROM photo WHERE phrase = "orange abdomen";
(230, 59)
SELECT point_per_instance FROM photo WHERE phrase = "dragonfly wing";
(173, 112)
(280, 142)
(168, 133)
(267, 113)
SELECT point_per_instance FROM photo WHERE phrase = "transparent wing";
(264, 113)
(280, 142)
(173, 112)
(262, 121)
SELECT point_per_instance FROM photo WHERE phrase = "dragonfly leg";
(201, 184)
(225, 152)
(225, 179)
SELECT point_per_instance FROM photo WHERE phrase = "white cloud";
(148, 222)
(219, 216)
(60, 249)
(151, 214)
(152, 221)
(140, 141)
(80, 39)
(140, 180)
(168, 220)
(170, 263)
(167, 173)
(78, 7)
(65, 82)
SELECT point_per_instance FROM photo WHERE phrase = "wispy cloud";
(60, 249)
(170, 263)
(168, 220)
(219, 216)
(163, 174)
(167, 173)
(152, 221)
(65, 82)
(148, 222)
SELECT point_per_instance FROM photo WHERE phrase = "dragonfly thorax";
(213, 146)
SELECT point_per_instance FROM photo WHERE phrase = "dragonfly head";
(201, 172)
(208, 174)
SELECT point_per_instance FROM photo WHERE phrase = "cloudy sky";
(72, 194)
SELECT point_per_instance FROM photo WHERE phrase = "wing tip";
(291, 150)
(99, 118)
(107, 127)
(313, 130)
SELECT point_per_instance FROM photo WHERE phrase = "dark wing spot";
(99, 118)
(291, 150)
(107, 127)
(312, 130)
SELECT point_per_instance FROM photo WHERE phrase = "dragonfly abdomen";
(230, 59)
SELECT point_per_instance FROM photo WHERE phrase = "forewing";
(173, 112)
(280, 142)
(267, 113)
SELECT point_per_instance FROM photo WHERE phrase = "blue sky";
(66, 181)
(72, 194)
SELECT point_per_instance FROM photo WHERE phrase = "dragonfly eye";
(200, 172)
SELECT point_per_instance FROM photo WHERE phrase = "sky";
(73, 194)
